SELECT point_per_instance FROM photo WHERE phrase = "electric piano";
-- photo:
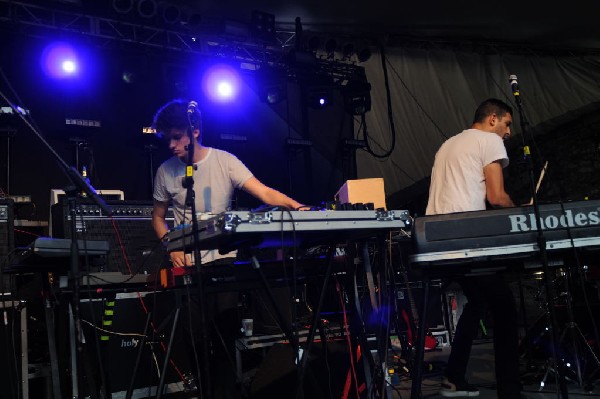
(273, 229)
(506, 238)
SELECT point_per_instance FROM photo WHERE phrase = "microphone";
(512, 79)
(193, 114)
(193, 107)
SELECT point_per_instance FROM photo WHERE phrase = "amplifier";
(134, 247)
(7, 239)
(115, 313)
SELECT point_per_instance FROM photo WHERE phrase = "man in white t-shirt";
(467, 176)
(468, 167)
(216, 175)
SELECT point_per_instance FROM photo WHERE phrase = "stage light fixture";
(60, 60)
(357, 97)
(364, 54)
(147, 8)
(313, 43)
(69, 66)
(220, 83)
(128, 77)
(170, 13)
(330, 46)
(225, 89)
(347, 50)
(236, 29)
(320, 97)
(275, 95)
(194, 20)
(272, 94)
(358, 105)
(122, 6)
(270, 84)
(262, 25)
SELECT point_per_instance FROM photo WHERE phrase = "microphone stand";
(188, 183)
(77, 185)
(541, 240)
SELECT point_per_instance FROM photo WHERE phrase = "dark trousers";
(493, 292)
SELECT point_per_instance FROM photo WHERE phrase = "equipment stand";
(576, 339)
(10, 133)
(150, 150)
(54, 369)
(316, 322)
(204, 380)
(541, 240)
(77, 144)
(163, 374)
(417, 372)
(138, 358)
(77, 185)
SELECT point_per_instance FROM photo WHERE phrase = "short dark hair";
(174, 115)
(489, 107)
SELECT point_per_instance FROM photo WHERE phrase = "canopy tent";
(434, 92)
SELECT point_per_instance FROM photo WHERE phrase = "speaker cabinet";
(134, 247)
(115, 346)
(7, 239)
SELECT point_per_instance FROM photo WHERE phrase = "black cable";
(390, 113)
(440, 131)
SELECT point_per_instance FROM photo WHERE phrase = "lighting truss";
(38, 20)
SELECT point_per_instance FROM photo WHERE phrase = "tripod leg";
(138, 358)
(543, 382)
(572, 327)
(50, 329)
(167, 356)
(578, 336)
(417, 376)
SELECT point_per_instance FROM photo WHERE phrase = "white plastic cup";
(247, 325)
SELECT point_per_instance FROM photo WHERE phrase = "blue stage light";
(221, 83)
(60, 60)
(69, 66)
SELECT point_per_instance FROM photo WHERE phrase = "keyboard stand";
(417, 375)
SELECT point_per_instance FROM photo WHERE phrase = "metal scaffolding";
(205, 40)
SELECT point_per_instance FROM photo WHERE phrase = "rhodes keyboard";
(272, 229)
(505, 238)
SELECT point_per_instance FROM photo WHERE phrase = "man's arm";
(159, 218)
(159, 223)
(268, 195)
(494, 186)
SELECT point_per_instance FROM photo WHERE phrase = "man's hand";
(178, 259)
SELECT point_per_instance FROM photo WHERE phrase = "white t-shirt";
(457, 180)
(215, 179)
